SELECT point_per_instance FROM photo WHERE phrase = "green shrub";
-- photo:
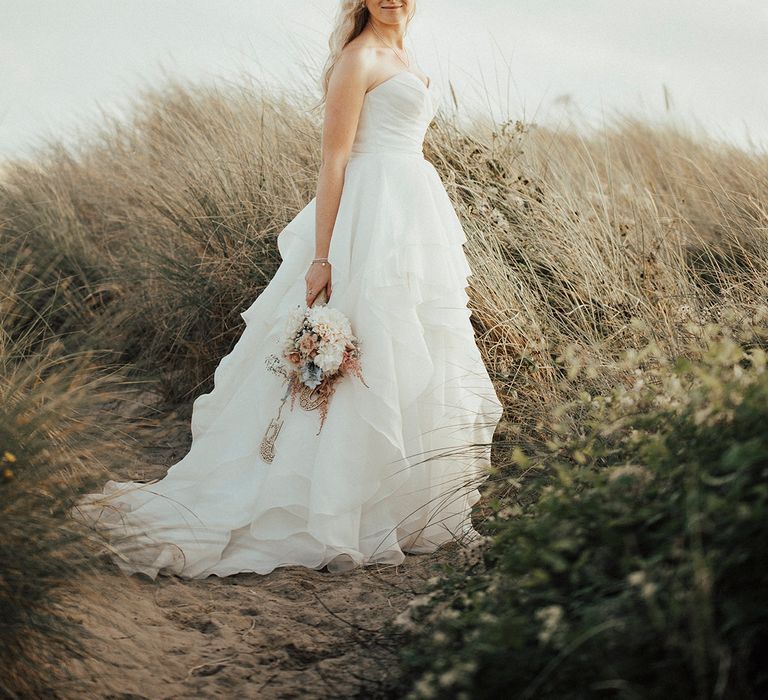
(635, 565)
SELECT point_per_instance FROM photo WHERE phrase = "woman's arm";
(346, 91)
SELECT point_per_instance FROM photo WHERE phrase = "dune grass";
(58, 433)
(146, 239)
(167, 223)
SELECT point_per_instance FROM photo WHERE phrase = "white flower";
(294, 321)
(331, 322)
(448, 678)
(424, 687)
(404, 620)
(439, 637)
(329, 356)
(551, 615)
(449, 614)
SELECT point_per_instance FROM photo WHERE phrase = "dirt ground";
(294, 633)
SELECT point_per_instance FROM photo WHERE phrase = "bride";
(396, 466)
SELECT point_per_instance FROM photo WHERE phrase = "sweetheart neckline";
(394, 75)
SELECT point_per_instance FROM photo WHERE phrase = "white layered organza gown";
(397, 464)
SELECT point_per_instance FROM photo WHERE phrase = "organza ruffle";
(397, 465)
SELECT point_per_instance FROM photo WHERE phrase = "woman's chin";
(395, 15)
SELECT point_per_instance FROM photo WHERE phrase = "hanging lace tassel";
(267, 447)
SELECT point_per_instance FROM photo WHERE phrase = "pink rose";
(307, 344)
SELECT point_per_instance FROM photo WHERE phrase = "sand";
(294, 633)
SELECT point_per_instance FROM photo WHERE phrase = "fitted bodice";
(395, 116)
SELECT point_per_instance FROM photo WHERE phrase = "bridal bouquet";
(318, 349)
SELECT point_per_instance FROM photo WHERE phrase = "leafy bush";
(634, 565)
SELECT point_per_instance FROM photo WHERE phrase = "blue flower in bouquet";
(311, 375)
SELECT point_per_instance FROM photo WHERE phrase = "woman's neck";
(393, 34)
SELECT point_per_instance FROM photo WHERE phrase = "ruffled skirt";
(397, 464)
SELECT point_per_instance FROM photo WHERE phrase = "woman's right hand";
(318, 277)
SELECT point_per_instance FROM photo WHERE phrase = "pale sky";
(61, 61)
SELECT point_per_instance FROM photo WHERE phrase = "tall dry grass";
(146, 239)
(166, 226)
(586, 247)
(58, 433)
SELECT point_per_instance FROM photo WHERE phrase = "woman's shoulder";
(357, 57)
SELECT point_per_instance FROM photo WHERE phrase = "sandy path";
(295, 633)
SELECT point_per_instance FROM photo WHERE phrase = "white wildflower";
(636, 471)
(448, 678)
(424, 687)
(439, 637)
(550, 617)
(404, 621)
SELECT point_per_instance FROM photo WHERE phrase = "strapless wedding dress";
(397, 464)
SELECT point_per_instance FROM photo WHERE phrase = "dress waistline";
(389, 152)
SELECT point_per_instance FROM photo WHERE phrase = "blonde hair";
(351, 18)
